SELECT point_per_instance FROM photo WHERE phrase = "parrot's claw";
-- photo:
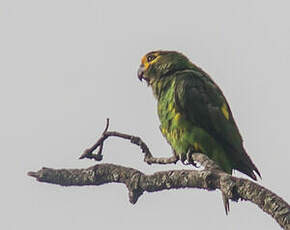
(188, 159)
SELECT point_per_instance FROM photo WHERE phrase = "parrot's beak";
(140, 72)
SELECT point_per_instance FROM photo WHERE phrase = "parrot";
(194, 114)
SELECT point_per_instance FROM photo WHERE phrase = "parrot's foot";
(188, 160)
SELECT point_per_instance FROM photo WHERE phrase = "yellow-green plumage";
(193, 111)
(181, 134)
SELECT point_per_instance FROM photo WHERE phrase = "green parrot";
(194, 114)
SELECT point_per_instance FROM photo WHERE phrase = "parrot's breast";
(174, 126)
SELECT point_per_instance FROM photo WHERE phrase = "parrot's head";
(156, 65)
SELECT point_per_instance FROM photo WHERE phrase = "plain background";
(67, 65)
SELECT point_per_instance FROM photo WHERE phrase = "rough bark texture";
(211, 178)
(137, 183)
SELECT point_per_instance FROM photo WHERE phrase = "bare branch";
(148, 158)
(211, 178)
(137, 183)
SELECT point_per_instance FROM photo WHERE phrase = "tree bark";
(137, 183)
(211, 178)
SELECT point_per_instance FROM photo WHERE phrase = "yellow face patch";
(225, 111)
(147, 63)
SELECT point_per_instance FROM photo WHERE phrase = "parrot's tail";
(245, 165)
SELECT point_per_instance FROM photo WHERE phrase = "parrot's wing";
(204, 105)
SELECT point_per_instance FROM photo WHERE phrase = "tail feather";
(245, 165)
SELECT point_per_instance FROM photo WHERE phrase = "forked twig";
(148, 158)
(88, 153)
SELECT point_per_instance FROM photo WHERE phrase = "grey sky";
(66, 65)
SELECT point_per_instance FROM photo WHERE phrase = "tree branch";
(211, 178)
(137, 183)
(148, 158)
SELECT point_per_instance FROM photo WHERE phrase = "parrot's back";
(195, 116)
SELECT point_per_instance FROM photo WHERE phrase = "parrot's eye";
(150, 58)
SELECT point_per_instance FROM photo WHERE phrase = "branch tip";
(134, 195)
(36, 175)
(107, 125)
(33, 174)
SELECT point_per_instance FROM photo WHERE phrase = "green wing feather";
(204, 105)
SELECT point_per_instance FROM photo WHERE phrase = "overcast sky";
(67, 65)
